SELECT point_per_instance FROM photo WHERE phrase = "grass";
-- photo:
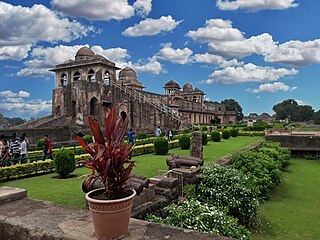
(68, 191)
(293, 211)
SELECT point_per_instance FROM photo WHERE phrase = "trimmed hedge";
(64, 162)
(87, 138)
(142, 135)
(186, 130)
(184, 141)
(234, 132)
(215, 136)
(161, 146)
(40, 143)
(204, 138)
(226, 134)
(251, 134)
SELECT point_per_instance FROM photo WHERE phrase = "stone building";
(88, 86)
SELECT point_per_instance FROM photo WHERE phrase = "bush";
(142, 135)
(64, 162)
(215, 136)
(184, 141)
(230, 189)
(88, 139)
(234, 132)
(204, 128)
(192, 214)
(195, 128)
(161, 146)
(40, 143)
(204, 138)
(226, 134)
(174, 132)
(186, 130)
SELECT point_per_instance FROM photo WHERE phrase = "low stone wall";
(26, 219)
(298, 142)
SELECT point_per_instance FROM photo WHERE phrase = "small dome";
(127, 73)
(187, 87)
(172, 84)
(85, 51)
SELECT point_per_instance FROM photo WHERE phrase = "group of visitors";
(158, 132)
(16, 151)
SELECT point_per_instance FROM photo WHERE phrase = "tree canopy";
(233, 105)
(291, 110)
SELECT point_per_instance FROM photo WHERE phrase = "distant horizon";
(259, 53)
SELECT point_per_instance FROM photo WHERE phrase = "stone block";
(164, 192)
(10, 194)
(151, 192)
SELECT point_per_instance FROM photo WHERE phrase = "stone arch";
(73, 108)
(91, 76)
(63, 80)
(194, 99)
(94, 106)
(106, 78)
(186, 98)
(76, 76)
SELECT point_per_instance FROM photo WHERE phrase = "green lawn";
(68, 191)
(293, 211)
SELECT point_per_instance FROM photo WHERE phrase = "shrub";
(192, 214)
(184, 141)
(226, 134)
(234, 132)
(142, 135)
(215, 136)
(174, 132)
(231, 189)
(40, 143)
(64, 161)
(204, 138)
(218, 126)
(161, 146)
(195, 128)
(186, 130)
(88, 139)
(204, 128)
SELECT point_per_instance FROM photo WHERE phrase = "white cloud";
(113, 54)
(256, 5)
(248, 73)
(152, 66)
(21, 27)
(9, 94)
(180, 56)
(216, 30)
(143, 7)
(208, 58)
(272, 87)
(151, 27)
(300, 102)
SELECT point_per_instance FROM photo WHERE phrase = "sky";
(258, 52)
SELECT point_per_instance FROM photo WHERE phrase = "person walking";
(5, 154)
(131, 136)
(15, 147)
(24, 150)
(47, 148)
(170, 135)
(158, 131)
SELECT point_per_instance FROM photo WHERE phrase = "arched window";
(93, 106)
(185, 98)
(106, 78)
(63, 80)
(58, 111)
(194, 99)
(91, 76)
(73, 110)
(76, 76)
(123, 115)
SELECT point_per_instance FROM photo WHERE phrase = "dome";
(187, 87)
(127, 73)
(85, 51)
(172, 84)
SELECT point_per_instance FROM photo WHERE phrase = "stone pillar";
(196, 149)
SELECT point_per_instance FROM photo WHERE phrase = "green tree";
(233, 105)
(290, 109)
(316, 117)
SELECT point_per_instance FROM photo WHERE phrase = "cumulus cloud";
(248, 73)
(272, 87)
(152, 66)
(21, 27)
(256, 5)
(151, 27)
(180, 56)
(216, 30)
(10, 94)
(113, 54)
(143, 7)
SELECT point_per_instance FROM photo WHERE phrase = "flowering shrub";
(231, 189)
(195, 215)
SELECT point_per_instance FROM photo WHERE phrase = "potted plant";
(110, 206)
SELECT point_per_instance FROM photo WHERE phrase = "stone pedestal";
(196, 149)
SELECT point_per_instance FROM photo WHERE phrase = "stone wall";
(300, 142)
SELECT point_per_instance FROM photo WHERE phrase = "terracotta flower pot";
(110, 217)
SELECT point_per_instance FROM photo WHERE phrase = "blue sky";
(258, 52)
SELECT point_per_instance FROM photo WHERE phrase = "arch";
(73, 108)
(106, 78)
(58, 110)
(63, 80)
(123, 115)
(194, 98)
(91, 76)
(186, 98)
(94, 106)
(76, 76)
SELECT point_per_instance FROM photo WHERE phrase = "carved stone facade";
(88, 86)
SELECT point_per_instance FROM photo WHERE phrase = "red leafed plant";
(110, 158)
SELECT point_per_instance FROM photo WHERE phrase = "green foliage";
(142, 135)
(189, 191)
(40, 143)
(192, 214)
(186, 130)
(231, 189)
(184, 141)
(174, 131)
(87, 138)
(195, 128)
(204, 138)
(64, 161)
(161, 146)
(204, 129)
(215, 136)
(218, 126)
(233, 105)
(226, 134)
(234, 132)
(251, 134)
(290, 109)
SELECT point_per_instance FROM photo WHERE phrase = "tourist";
(5, 155)
(15, 147)
(170, 135)
(210, 129)
(131, 136)
(47, 148)
(158, 131)
(25, 138)
(24, 150)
